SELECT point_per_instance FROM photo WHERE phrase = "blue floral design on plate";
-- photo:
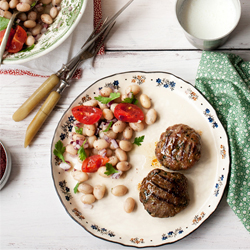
(210, 118)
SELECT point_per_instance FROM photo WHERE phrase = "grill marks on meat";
(164, 194)
(179, 147)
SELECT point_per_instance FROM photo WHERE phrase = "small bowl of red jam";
(5, 165)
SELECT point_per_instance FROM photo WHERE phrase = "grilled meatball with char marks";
(179, 147)
(164, 194)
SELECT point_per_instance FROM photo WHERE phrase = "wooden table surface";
(147, 37)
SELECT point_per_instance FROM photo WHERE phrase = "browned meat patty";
(164, 194)
(179, 147)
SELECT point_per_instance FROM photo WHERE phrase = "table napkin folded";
(224, 79)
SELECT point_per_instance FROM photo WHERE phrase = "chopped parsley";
(138, 140)
(110, 169)
(107, 129)
(59, 150)
(78, 130)
(106, 100)
(131, 99)
(81, 152)
(76, 187)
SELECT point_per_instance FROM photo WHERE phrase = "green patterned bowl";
(64, 24)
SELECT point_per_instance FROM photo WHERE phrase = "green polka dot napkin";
(224, 79)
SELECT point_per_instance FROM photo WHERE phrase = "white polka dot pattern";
(224, 81)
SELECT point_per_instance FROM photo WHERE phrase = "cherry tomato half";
(87, 114)
(18, 40)
(128, 112)
(92, 163)
(11, 35)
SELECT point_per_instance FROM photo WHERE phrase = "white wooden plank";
(152, 25)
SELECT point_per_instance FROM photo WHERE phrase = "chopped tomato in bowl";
(92, 163)
(87, 114)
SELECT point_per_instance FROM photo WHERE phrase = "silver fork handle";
(6, 35)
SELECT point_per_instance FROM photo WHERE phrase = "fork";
(89, 50)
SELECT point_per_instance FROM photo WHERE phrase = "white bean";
(111, 134)
(79, 176)
(106, 91)
(46, 18)
(85, 188)
(100, 144)
(113, 160)
(90, 129)
(13, 4)
(121, 155)
(78, 137)
(119, 126)
(29, 2)
(29, 24)
(95, 151)
(109, 152)
(45, 1)
(22, 17)
(99, 191)
(137, 126)
(88, 198)
(128, 133)
(30, 40)
(129, 205)
(91, 140)
(7, 14)
(150, 117)
(53, 12)
(32, 15)
(112, 107)
(92, 103)
(135, 89)
(123, 166)
(125, 145)
(119, 190)
(56, 2)
(107, 114)
(23, 7)
(71, 150)
(4, 5)
(101, 172)
(36, 30)
(102, 106)
(112, 146)
(145, 101)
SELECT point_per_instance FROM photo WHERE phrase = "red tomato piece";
(11, 35)
(87, 114)
(18, 40)
(92, 163)
(128, 112)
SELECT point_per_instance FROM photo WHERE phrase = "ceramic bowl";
(7, 171)
(69, 16)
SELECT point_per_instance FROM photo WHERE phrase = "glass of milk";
(207, 24)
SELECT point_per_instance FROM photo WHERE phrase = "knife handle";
(36, 98)
(41, 117)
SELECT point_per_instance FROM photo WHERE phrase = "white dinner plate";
(175, 101)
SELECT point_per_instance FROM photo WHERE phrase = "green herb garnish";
(59, 150)
(131, 99)
(78, 130)
(3, 23)
(138, 140)
(110, 169)
(76, 187)
(81, 152)
(28, 48)
(107, 129)
(106, 100)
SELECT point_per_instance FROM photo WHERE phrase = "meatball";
(164, 194)
(179, 147)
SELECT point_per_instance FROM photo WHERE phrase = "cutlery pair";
(88, 50)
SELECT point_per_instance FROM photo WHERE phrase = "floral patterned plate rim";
(176, 101)
(69, 16)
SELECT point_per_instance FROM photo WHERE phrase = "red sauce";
(2, 161)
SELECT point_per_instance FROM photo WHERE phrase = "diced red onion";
(114, 143)
(110, 103)
(65, 166)
(116, 175)
(74, 144)
(103, 152)
(130, 94)
(77, 146)
(87, 206)
(76, 123)
(86, 145)
(106, 138)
